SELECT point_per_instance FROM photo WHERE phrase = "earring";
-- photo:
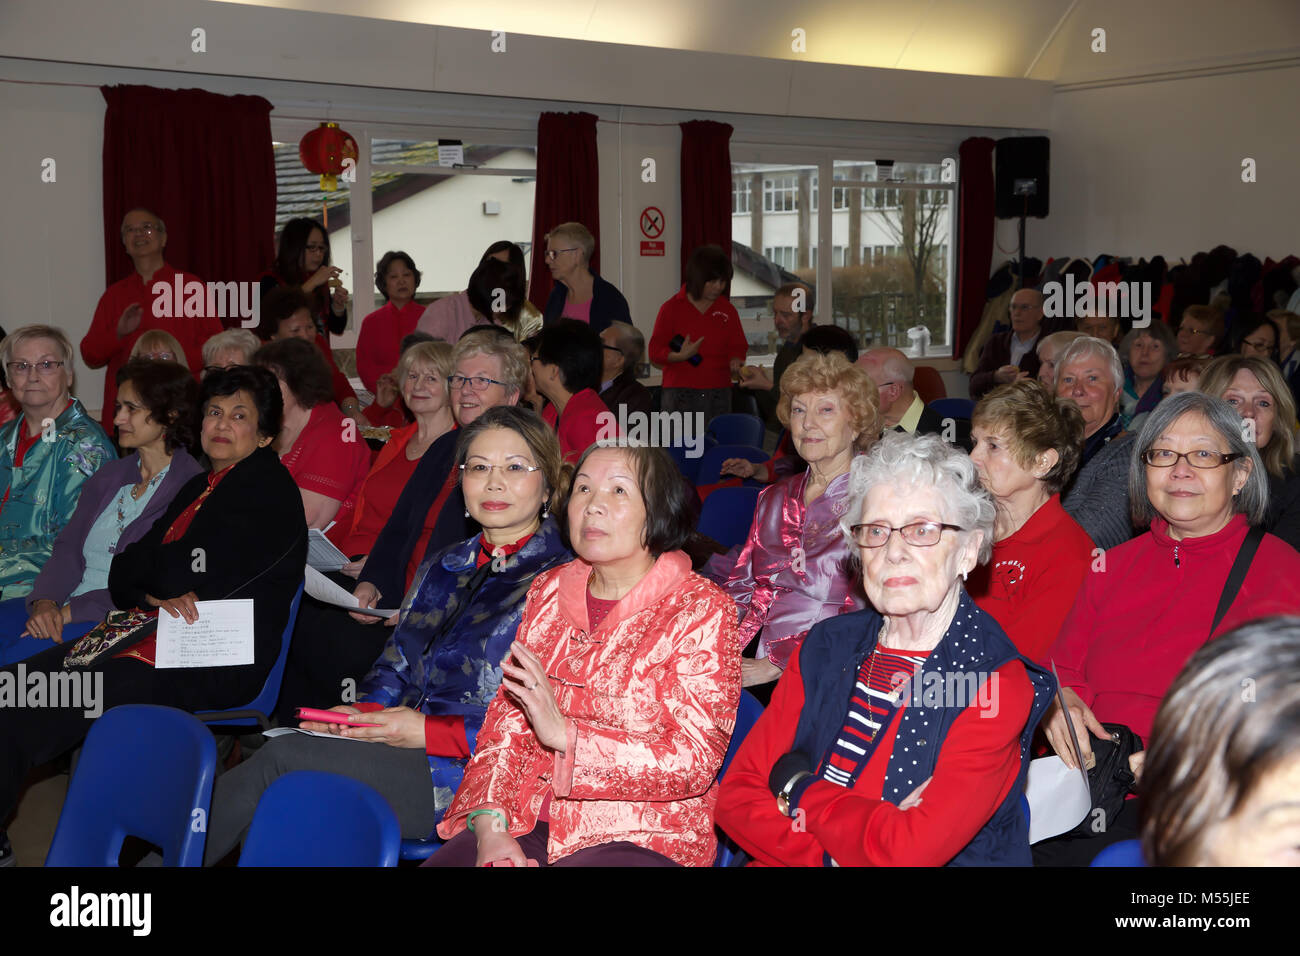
(963, 575)
(545, 511)
(466, 512)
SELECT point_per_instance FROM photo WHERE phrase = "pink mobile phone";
(330, 717)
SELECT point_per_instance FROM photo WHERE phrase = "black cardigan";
(607, 304)
(252, 533)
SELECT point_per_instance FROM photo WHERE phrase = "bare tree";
(913, 226)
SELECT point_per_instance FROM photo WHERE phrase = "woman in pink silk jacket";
(794, 569)
(618, 699)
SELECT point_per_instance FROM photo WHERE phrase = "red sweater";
(724, 340)
(101, 345)
(581, 424)
(977, 767)
(379, 344)
(1135, 624)
(1033, 578)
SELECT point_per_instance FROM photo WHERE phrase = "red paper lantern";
(324, 150)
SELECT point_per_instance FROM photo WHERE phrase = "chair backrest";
(687, 465)
(928, 383)
(727, 515)
(145, 771)
(708, 471)
(953, 407)
(312, 818)
(747, 715)
(1123, 853)
(264, 703)
(736, 429)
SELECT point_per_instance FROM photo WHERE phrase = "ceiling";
(1036, 39)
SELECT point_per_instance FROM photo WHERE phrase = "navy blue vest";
(974, 645)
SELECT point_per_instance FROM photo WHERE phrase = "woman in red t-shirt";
(697, 339)
(422, 371)
(379, 345)
(323, 451)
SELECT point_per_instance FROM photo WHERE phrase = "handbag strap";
(1245, 554)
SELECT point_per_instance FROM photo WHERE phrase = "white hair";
(909, 462)
(1089, 345)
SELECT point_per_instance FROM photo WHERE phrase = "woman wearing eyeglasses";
(46, 454)
(160, 346)
(427, 692)
(579, 293)
(302, 261)
(1201, 486)
(488, 370)
(1199, 330)
(897, 736)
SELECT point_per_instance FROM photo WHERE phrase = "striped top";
(871, 709)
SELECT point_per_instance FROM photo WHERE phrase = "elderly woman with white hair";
(231, 347)
(1089, 374)
(47, 453)
(1201, 487)
(900, 735)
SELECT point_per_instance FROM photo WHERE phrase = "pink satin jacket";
(650, 699)
(794, 569)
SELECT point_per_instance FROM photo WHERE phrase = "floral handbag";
(118, 631)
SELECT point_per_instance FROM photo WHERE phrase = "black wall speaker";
(1022, 171)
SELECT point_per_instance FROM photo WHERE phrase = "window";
(781, 194)
(740, 195)
(490, 200)
(782, 256)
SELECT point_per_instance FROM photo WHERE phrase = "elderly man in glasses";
(127, 309)
(46, 454)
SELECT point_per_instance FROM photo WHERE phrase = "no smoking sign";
(652, 227)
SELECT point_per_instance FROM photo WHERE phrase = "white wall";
(1155, 168)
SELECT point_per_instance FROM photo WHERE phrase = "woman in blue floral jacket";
(46, 454)
(426, 695)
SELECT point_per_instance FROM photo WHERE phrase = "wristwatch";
(783, 798)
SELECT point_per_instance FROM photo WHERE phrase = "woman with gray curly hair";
(1201, 487)
(914, 744)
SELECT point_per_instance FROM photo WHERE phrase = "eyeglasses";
(553, 254)
(478, 383)
(1187, 329)
(146, 228)
(513, 471)
(316, 247)
(1201, 458)
(923, 534)
(1258, 346)
(614, 348)
(158, 356)
(40, 368)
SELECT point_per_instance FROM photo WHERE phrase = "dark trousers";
(401, 775)
(1081, 850)
(31, 736)
(462, 850)
(328, 648)
(710, 402)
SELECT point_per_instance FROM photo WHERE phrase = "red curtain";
(568, 189)
(203, 163)
(975, 204)
(706, 187)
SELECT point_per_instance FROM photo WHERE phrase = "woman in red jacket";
(618, 699)
(1026, 447)
(1142, 614)
(697, 339)
(382, 331)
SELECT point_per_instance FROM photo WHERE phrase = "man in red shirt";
(567, 369)
(127, 310)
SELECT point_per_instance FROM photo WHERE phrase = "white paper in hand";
(327, 592)
(1058, 796)
(321, 553)
(221, 637)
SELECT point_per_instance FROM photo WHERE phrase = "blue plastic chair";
(736, 429)
(411, 850)
(264, 703)
(952, 407)
(710, 467)
(145, 771)
(688, 466)
(1123, 853)
(747, 715)
(727, 515)
(311, 818)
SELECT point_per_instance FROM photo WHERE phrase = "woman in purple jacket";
(794, 569)
(154, 415)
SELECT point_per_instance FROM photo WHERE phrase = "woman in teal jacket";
(46, 454)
